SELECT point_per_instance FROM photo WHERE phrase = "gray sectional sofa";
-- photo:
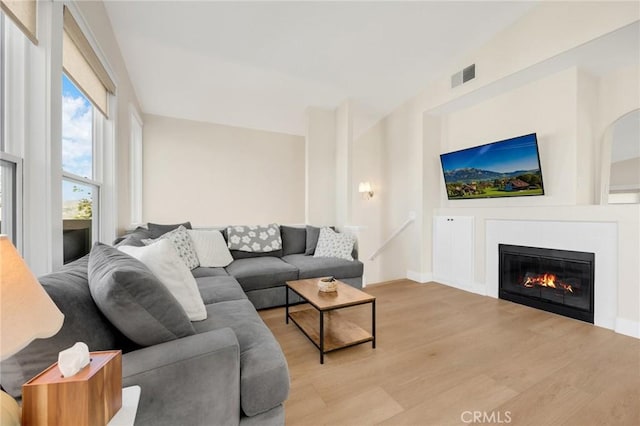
(262, 276)
(226, 370)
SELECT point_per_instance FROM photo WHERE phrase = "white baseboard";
(479, 288)
(419, 277)
(476, 288)
(628, 327)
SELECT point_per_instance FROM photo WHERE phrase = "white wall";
(548, 30)
(401, 182)
(546, 107)
(344, 142)
(320, 166)
(558, 108)
(213, 175)
(366, 213)
(569, 109)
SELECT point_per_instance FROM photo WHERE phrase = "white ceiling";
(261, 64)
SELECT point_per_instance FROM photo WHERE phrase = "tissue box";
(91, 397)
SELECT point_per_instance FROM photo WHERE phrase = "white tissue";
(72, 360)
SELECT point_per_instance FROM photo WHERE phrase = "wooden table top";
(343, 297)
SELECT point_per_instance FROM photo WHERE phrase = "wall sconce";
(365, 189)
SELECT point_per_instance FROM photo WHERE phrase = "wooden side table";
(90, 397)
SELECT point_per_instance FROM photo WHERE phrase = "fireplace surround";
(558, 281)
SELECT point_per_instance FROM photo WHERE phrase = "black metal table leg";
(321, 337)
(286, 315)
(373, 323)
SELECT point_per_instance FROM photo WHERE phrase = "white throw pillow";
(165, 263)
(211, 248)
(333, 244)
(182, 243)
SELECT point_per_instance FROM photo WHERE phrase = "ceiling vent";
(461, 77)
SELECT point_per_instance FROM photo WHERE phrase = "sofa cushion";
(156, 230)
(133, 299)
(83, 322)
(209, 272)
(264, 375)
(312, 267)
(219, 289)
(164, 262)
(294, 239)
(261, 272)
(238, 254)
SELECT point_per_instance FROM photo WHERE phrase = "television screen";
(508, 168)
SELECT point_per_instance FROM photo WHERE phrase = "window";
(40, 180)
(80, 188)
(86, 162)
(10, 171)
(10, 165)
(3, 41)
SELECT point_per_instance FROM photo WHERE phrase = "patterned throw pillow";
(256, 239)
(183, 244)
(333, 244)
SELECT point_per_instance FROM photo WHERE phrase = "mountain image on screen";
(508, 168)
(470, 175)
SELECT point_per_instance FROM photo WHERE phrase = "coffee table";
(327, 329)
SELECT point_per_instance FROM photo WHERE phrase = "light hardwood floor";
(442, 353)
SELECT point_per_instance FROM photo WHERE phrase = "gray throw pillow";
(313, 233)
(133, 299)
(133, 238)
(156, 229)
(294, 240)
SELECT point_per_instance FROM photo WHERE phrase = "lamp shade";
(26, 310)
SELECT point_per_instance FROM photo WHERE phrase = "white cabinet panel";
(453, 238)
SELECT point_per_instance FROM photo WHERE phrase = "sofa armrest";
(194, 380)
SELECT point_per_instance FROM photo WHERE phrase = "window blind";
(83, 67)
(24, 14)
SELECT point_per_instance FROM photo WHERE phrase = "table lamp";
(26, 313)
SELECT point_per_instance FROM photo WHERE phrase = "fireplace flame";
(547, 280)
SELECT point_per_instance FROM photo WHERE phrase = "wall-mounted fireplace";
(558, 281)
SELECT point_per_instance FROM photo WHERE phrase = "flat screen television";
(508, 168)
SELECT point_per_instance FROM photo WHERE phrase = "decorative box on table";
(90, 397)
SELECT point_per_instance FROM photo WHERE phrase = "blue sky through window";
(77, 131)
(77, 135)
